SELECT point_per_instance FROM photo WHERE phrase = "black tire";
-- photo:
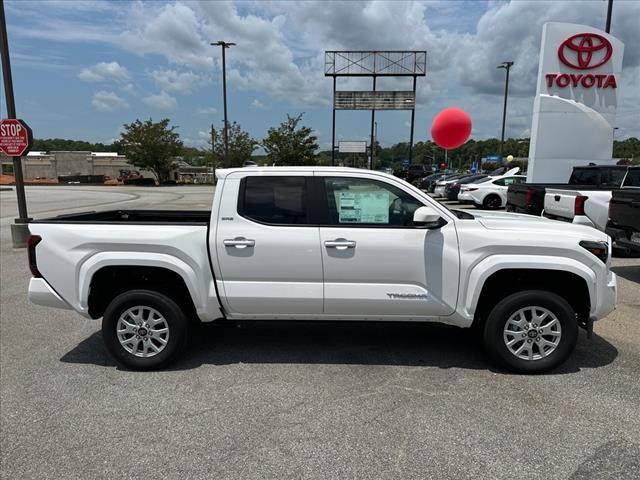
(178, 327)
(492, 202)
(494, 340)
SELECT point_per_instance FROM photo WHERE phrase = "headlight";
(599, 249)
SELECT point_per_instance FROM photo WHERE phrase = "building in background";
(56, 164)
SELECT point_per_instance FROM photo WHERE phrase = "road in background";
(282, 400)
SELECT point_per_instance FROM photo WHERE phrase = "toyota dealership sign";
(576, 100)
(583, 51)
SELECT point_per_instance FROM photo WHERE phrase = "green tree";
(290, 144)
(241, 146)
(152, 146)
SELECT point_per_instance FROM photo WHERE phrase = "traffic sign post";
(16, 138)
(17, 135)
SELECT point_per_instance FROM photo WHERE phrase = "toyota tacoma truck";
(325, 243)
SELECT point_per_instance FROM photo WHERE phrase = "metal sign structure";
(352, 147)
(380, 100)
(374, 64)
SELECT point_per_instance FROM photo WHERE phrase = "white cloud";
(172, 30)
(206, 110)
(280, 48)
(108, 101)
(104, 71)
(257, 104)
(179, 82)
(161, 101)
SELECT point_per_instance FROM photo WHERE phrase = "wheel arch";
(143, 270)
(494, 278)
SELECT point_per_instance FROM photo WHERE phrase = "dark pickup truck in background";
(529, 197)
(624, 219)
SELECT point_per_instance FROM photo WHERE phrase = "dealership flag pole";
(19, 230)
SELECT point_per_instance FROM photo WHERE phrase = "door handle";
(238, 242)
(340, 244)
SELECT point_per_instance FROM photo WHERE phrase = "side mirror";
(427, 217)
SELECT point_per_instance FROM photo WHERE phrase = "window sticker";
(363, 207)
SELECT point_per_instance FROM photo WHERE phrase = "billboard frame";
(374, 63)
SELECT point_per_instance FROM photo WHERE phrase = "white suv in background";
(490, 194)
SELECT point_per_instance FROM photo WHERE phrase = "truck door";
(376, 263)
(268, 254)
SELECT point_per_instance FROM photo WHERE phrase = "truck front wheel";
(533, 331)
(144, 329)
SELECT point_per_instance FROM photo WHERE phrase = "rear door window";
(274, 200)
(613, 177)
(587, 176)
(633, 178)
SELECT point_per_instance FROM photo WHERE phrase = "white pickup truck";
(305, 243)
(588, 205)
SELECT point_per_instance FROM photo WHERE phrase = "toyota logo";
(585, 51)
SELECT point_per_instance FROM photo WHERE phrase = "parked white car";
(490, 194)
(324, 243)
(441, 185)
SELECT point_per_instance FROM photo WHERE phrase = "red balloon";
(451, 128)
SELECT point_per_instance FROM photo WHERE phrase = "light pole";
(224, 46)
(506, 66)
(609, 9)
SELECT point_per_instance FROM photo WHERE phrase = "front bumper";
(607, 303)
(41, 293)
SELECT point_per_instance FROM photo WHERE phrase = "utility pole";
(19, 229)
(213, 154)
(609, 10)
(506, 66)
(375, 140)
(224, 46)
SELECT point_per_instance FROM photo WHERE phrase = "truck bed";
(159, 217)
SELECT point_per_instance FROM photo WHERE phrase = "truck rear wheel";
(533, 331)
(144, 329)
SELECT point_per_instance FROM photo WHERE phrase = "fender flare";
(470, 295)
(196, 286)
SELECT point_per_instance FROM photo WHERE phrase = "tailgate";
(625, 209)
(517, 195)
(560, 203)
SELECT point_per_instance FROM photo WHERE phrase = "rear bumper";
(41, 293)
(622, 238)
(577, 219)
(607, 303)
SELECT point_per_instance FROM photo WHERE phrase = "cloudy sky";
(82, 69)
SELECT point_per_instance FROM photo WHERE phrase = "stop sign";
(16, 137)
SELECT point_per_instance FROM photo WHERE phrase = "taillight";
(32, 241)
(530, 194)
(578, 206)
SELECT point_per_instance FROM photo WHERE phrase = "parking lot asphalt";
(277, 400)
